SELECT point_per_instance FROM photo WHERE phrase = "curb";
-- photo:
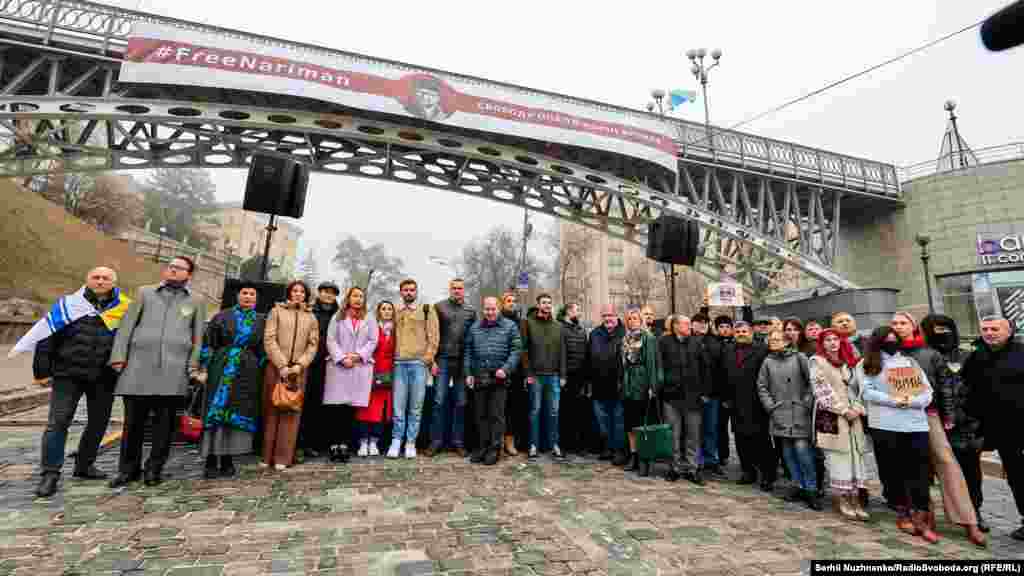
(24, 402)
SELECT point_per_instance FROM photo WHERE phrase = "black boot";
(695, 475)
(634, 463)
(621, 458)
(47, 485)
(210, 468)
(153, 477)
(227, 467)
(90, 472)
(748, 478)
(767, 486)
(813, 502)
(478, 456)
(491, 457)
(124, 479)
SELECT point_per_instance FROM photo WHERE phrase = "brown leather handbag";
(287, 395)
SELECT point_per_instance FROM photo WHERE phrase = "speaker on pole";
(276, 185)
(673, 240)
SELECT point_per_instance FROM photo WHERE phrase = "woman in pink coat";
(351, 340)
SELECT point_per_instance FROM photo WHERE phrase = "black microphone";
(1004, 29)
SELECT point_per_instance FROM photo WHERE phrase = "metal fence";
(950, 162)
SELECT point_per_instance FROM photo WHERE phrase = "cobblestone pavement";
(440, 516)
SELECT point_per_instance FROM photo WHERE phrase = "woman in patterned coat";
(231, 360)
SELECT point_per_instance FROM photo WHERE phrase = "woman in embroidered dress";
(840, 433)
(351, 341)
(370, 420)
(231, 363)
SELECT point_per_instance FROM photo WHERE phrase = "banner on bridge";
(162, 54)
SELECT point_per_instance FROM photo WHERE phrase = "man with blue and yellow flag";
(72, 349)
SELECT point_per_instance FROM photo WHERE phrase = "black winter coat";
(314, 395)
(574, 348)
(966, 432)
(996, 395)
(453, 321)
(80, 351)
(933, 364)
(749, 417)
(603, 362)
(685, 376)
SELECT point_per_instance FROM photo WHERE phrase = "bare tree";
(572, 246)
(642, 282)
(489, 264)
(369, 266)
(106, 201)
(690, 287)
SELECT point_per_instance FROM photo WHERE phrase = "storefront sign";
(995, 250)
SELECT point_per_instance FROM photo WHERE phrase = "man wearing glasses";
(156, 351)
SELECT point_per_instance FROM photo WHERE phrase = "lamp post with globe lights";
(700, 72)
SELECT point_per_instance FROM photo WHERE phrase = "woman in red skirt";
(371, 419)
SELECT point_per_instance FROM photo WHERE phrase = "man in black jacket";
(575, 414)
(604, 372)
(313, 426)
(994, 372)
(454, 317)
(741, 361)
(685, 387)
(75, 358)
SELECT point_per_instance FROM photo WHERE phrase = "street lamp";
(159, 244)
(700, 72)
(227, 258)
(923, 241)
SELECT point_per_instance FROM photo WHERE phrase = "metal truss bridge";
(765, 206)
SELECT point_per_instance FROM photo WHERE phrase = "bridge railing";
(105, 29)
(952, 162)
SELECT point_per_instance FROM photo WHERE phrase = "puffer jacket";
(80, 351)
(574, 348)
(784, 386)
(966, 432)
(453, 321)
(490, 347)
(933, 364)
(685, 377)
(603, 363)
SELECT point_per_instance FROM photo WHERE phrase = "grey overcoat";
(159, 341)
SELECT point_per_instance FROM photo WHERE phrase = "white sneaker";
(410, 450)
(373, 450)
(279, 467)
(396, 446)
(364, 448)
(533, 452)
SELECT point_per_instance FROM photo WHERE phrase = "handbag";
(653, 441)
(190, 425)
(283, 397)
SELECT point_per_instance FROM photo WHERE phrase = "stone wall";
(879, 250)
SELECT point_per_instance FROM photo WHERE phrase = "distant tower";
(955, 154)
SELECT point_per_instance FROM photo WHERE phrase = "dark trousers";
(905, 456)
(136, 411)
(64, 398)
(884, 476)
(756, 454)
(341, 417)
(489, 409)
(970, 463)
(517, 406)
(724, 417)
(1013, 465)
(575, 417)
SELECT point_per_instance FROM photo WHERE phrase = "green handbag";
(654, 441)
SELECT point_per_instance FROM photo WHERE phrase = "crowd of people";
(318, 377)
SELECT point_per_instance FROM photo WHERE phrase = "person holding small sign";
(897, 393)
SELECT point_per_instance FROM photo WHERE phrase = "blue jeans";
(549, 389)
(410, 384)
(444, 428)
(799, 459)
(608, 414)
(710, 424)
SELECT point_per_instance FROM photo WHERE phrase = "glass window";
(969, 297)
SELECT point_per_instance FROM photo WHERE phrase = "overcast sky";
(773, 51)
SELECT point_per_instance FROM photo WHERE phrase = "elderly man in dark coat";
(156, 351)
(740, 363)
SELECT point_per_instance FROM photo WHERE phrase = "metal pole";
(927, 279)
(707, 113)
(672, 288)
(271, 227)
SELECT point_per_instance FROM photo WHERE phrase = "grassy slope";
(45, 252)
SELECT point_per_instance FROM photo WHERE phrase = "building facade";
(246, 234)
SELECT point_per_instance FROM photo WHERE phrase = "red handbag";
(190, 427)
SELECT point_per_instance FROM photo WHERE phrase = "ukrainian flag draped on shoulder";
(68, 309)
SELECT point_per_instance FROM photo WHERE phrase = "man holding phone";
(491, 353)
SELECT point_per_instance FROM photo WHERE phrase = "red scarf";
(914, 342)
(846, 355)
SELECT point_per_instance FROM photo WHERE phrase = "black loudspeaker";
(673, 240)
(276, 186)
(269, 294)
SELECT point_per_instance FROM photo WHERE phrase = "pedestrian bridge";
(88, 87)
